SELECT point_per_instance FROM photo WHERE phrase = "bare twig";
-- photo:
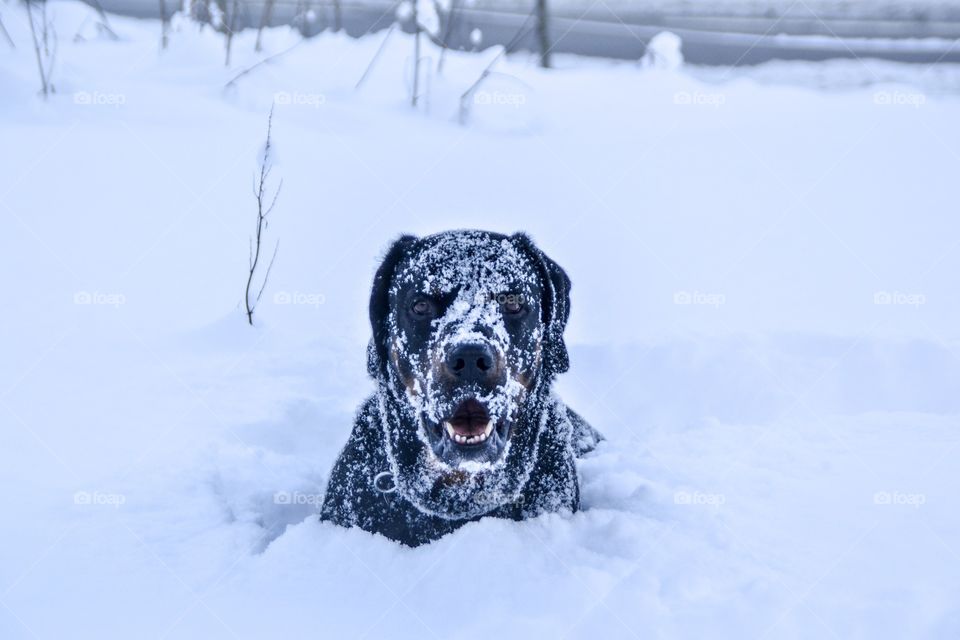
(266, 274)
(230, 24)
(447, 30)
(104, 21)
(520, 34)
(543, 33)
(266, 60)
(41, 45)
(337, 16)
(200, 12)
(263, 210)
(465, 97)
(376, 56)
(416, 55)
(44, 31)
(6, 34)
(164, 24)
(428, 81)
(264, 21)
(302, 18)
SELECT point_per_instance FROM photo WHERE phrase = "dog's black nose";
(472, 362)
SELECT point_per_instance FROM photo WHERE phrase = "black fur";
(399, 474)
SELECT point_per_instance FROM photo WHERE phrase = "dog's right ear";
(556, 304)
(380, 305)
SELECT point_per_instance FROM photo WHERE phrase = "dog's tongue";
(470, 418)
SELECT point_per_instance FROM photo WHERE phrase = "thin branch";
(36, 48)
(376, 56)
(521, 32)
(43, 24)
(266, 60)
(447, 30)
(543, 33)
(264, 20)
(6, 34)
(266, 274)
(230, 27)
(464, 99)
(104, 22)
(337, 16)
(273, 202)
(416, 54)
(260, 191)
(53, 55)
(164, 25)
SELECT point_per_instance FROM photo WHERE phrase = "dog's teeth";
(471, 439)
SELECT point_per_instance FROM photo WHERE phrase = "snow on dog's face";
(466, 309)
(467, 337)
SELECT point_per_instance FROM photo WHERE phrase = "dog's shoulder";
(353, 498)
(584, 437)
(553, 484)
(349, 490)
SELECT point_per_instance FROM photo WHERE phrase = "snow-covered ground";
(765, 324)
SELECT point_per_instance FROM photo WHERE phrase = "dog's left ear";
(556, 304)
(380, 305)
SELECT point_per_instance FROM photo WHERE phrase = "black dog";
(467, 339)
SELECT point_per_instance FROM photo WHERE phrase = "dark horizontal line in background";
(707, 40)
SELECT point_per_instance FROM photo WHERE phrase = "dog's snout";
(473, 362)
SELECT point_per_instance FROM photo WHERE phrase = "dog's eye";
(512, 307)
(421, 308)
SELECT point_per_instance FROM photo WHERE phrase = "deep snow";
(764, 325)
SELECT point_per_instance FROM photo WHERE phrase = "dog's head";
(467, 334)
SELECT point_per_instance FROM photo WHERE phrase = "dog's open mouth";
(470, 423)
(470, 432)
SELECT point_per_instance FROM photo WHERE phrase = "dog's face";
(467, 325)
(467, 312)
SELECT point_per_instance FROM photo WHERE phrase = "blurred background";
(719, 32)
